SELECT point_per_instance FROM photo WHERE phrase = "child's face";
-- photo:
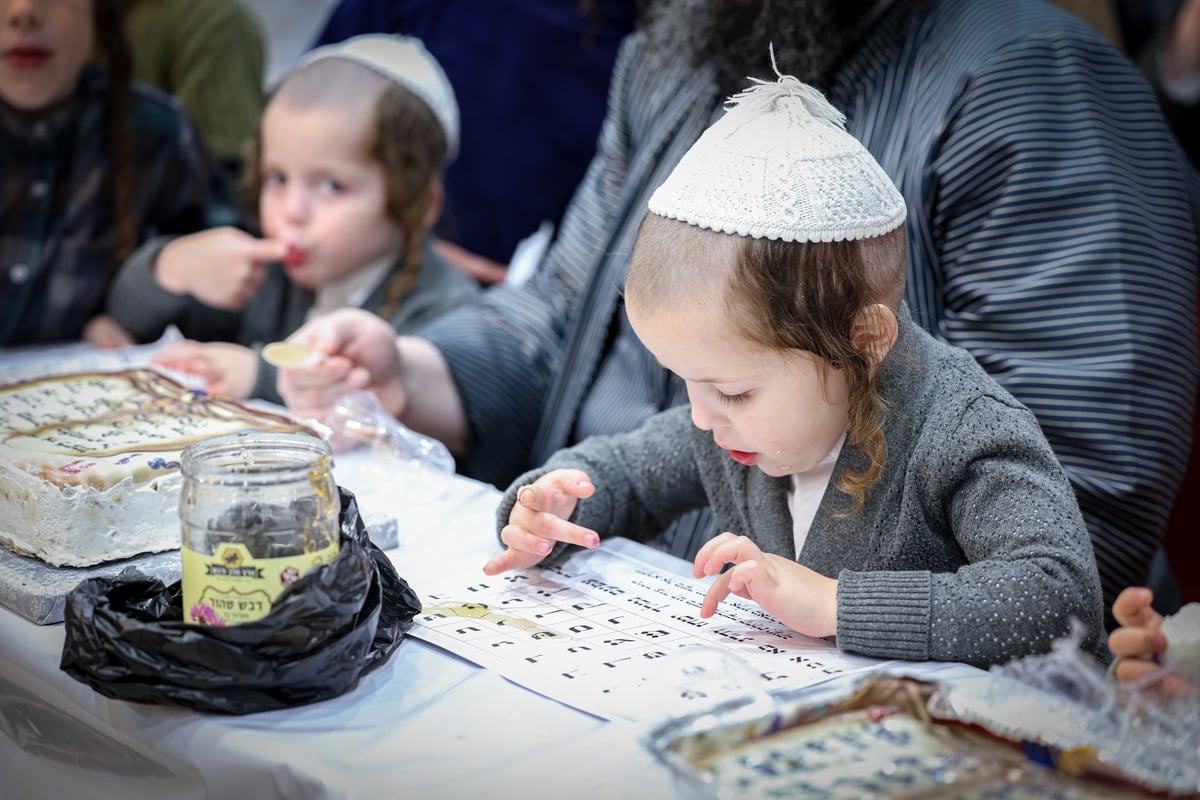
(43, 47)
(775, 410)
(322, 193)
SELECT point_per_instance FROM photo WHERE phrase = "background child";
(532, 83)
(346, 174)
(90, 166)
(885, 488)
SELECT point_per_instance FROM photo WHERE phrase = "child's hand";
(361, 354)
(803, 600)
(1182, 44)
(105, 332)
(222, 267)
(538, 520)
(1138, 643)
(226, 369)
(482, 270)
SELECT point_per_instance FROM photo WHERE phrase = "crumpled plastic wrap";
(126, 638)
(1182, 630)
(1146, 731)
(385, 463)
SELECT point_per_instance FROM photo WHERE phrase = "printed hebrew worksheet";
(619, 638)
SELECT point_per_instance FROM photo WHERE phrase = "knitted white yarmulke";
(780, 165)
(404, 60)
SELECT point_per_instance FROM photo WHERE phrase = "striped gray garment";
(1052, 232)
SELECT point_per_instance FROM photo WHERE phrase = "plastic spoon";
(289, 355)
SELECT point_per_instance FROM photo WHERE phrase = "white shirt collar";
(352, 290)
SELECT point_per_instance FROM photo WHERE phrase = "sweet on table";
(89, 462)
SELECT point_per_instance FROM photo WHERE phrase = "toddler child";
(874, 484)
(346, 173)
(90, 166)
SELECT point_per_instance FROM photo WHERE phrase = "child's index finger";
(527, 496)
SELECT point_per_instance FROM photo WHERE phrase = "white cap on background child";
(780, 165)
(404, 60)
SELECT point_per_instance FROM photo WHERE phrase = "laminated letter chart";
(616, 637)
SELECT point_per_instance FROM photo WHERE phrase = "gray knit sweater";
(970, 547)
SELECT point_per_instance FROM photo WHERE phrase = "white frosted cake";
(89, 462)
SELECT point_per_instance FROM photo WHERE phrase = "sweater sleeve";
(145, 309)
(1029, 561)
(644, 479)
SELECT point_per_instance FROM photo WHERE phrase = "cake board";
(38, 591)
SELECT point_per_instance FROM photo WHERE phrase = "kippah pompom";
(780, 165)
(776, 95)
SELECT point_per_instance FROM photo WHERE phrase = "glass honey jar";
(258, 510)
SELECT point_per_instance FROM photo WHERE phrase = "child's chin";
(778, 470)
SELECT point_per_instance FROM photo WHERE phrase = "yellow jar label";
(230, 586)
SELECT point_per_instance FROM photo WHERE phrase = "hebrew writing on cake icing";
(89, 462)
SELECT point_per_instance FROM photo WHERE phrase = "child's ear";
(433, 203)
(874, 332)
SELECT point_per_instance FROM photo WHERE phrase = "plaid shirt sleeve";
(58, 237)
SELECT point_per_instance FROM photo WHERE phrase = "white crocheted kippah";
(780, 165)
(404, 60)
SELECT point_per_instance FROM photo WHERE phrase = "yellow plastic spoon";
(288, 355)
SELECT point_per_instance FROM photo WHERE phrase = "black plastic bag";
(126, 638)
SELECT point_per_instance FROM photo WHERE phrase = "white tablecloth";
(425, 724)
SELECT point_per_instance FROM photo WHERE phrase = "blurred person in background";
(346, 174)
(209, 55)
(1163, 38)
(532, 81)
(91, 165)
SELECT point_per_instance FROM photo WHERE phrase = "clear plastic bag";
(1145, 731)
(384, 463)
(358, 422)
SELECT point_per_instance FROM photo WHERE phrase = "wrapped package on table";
(888, 737)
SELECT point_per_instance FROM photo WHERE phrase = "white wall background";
(289, 27)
